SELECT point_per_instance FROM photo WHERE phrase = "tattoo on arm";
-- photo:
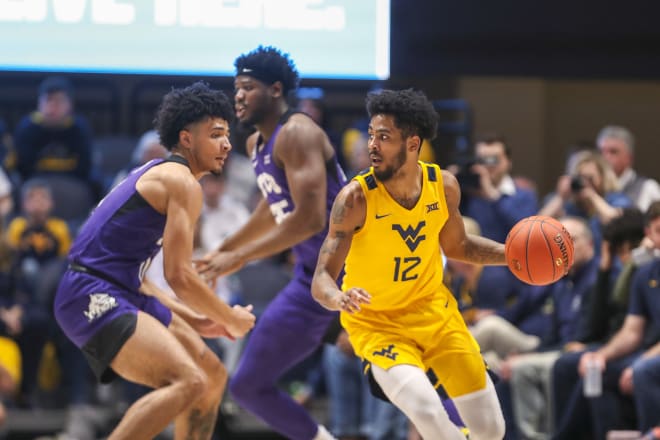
(329, 247)
(480, 250)
(339, 210)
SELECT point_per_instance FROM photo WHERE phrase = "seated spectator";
(529, 374)
(10, 372)
(358, 158)
(630, 360)
(39, 243)
(222, 214)
(147, 148)
(590, 190)
(490, 195)
(311, 101)
(617, 145)
(54, 140)
(603, 314)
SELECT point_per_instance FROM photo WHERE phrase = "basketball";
(539, 250)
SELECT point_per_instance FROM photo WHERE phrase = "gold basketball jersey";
(395, 256)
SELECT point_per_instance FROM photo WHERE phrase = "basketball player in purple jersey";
(298, 174)
(106, 308)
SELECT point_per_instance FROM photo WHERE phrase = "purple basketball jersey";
(272, 182)
(122, 235)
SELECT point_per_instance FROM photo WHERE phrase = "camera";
(577, 184)
(466, 178)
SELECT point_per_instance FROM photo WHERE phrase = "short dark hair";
(490, 138)
(412, 111)
(268, 64)
(54, 84)
(184, 106)
(628, 227)
(652, 213)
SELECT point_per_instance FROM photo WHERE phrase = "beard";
(386, 174)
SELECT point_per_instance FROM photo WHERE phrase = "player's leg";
(456, 364)
(409, 388)
(481, 412)
(198, 421)
(152, 356)
(288, 331)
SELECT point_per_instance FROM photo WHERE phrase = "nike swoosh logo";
(378, 217)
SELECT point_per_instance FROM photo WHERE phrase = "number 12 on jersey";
(404, 266)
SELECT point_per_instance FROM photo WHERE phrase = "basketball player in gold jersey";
(387, 229)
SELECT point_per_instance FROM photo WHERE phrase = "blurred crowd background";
(544, 109)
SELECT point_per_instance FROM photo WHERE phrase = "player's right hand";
(350, 300)
(218, 263)
(242, 322)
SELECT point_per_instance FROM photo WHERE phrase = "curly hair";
(181, 107)
(412, 111)
(272, 64)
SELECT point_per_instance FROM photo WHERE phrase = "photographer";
(490, 195)
(492, 198)
(590, 191)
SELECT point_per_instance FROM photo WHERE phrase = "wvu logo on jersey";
(411, 236)
(387, 352)
(432, 207)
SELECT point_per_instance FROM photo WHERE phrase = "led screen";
(326, 38)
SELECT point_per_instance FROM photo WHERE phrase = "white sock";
(323, 434)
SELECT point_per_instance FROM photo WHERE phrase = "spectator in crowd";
(529, 374)
(492, 198)
(10, 372)
(358, 158)
(630, 360)
(222, 215)
(10, 354)
(54, 140)
(603, 314)
(147, 148)
(617, 145)
(490, 195)
(590, 190)
(39, 243)
(7, 157)
(311, 101)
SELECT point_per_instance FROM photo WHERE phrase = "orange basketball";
(539, 250)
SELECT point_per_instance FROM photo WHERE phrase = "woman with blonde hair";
(590, 190)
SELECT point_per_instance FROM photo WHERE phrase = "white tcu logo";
(99, 304)
(268, 185)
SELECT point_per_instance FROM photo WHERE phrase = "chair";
(73, 199)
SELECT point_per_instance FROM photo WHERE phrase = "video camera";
(466, 178)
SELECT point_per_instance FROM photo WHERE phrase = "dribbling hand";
(349, 301)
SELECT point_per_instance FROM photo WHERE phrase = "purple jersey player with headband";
(299, 177)
(123, 324)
